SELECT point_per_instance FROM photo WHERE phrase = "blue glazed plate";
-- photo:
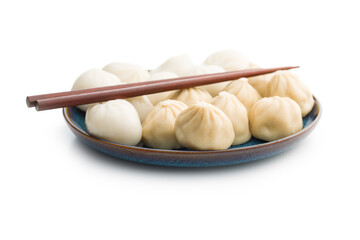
(252, 150)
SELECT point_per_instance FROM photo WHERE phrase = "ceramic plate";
(252, 150)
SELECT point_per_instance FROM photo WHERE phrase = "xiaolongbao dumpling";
(190, 96)
(155, 98)
(128, 72)
(142, 105)
(274, 118)
(214, 88)
(237, 113)
(260, 83)
(286, 84)
(94, 78)
(230, 60)
(115, 121)
(244, 92)
(159, 126)
(203, 126)
(178, 65)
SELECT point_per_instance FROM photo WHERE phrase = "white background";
(54, 187)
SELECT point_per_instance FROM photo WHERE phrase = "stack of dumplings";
(210, 117)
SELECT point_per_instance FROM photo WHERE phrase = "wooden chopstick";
(93, 95)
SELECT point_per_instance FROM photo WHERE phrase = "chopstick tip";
(28, 102)
(36, 105)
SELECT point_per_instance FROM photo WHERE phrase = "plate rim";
(70, 123)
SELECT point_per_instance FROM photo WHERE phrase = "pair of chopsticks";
(101, 94)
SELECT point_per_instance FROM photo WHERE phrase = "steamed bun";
(287, 84)
(94, 78)
(214, 88)
(116, 121)
(159, 126)
(128, 72)
(203, 126)
(252, 66)
(178, 64)
(190, 96)
(230, 60)
(274, 118)
(142, 105)
(237, 113)
(244, 92)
